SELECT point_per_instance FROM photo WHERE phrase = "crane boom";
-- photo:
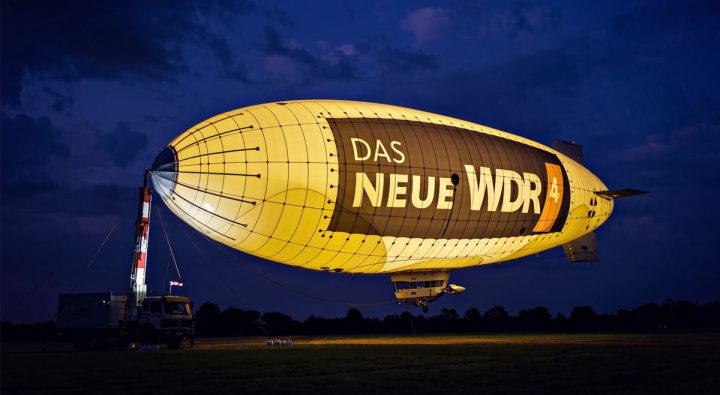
(123, 320)
(138, 288)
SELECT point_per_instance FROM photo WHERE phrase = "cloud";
(274, 45)
(70, 201)
(427, 24)
(230, 66)
(687, 155)
(518, 94)
(106, 40)
(123, 144)
(699, 143)
(291, 59)
(654, 146)
(533, 18)
(28, 144)
(60, 101)
(536, 18)
(399, 61)
(654, 16)
(348, 49)
(279, 16)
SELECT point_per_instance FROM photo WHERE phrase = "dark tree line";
(671, 316)
(212, 321)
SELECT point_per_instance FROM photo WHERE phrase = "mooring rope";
(172, 253)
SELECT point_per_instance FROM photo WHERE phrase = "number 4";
(554, 193)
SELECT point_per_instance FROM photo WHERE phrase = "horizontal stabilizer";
(582, 249)
(620, 193)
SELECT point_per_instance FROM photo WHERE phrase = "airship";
(366, 188)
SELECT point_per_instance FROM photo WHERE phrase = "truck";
(103, 319)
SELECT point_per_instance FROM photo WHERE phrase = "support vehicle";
(104, 319)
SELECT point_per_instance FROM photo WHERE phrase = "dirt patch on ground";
(711, 340)
(550, 339)
(570, 340)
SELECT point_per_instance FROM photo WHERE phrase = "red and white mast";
(138, 288)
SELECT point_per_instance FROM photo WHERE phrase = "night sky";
(92, 91)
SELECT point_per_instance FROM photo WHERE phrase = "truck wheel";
(147, 334)
(173, 343)
(93, 343)
(88, 344)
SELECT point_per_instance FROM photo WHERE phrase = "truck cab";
(96, 320)
(166, 318)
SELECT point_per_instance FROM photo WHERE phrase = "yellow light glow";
(372, 188)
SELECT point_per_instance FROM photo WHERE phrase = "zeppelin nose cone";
(164, 171)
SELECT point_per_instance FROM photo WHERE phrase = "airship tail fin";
(570, 149)
(582, 249)
(620, 193)
(575, 151)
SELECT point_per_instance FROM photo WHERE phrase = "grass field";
(397, 364)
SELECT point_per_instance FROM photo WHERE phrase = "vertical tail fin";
(569, 148)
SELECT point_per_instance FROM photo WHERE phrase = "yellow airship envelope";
(370, 188)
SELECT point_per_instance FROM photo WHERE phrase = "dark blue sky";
(92, 91)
